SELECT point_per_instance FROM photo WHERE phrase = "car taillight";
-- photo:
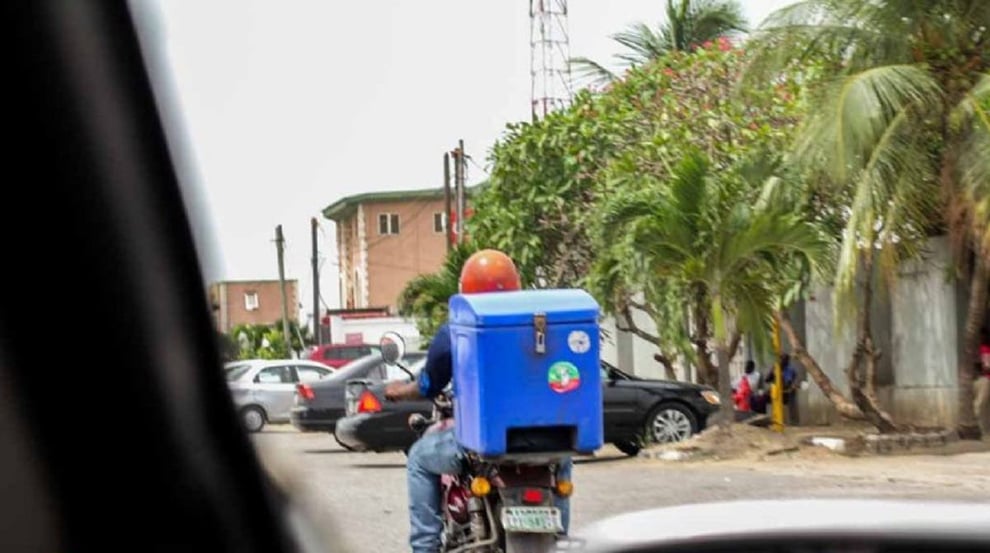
(305, 391)
(532, 496)
(368, 403)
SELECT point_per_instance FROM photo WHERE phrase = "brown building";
(236, 302)
(384, 240)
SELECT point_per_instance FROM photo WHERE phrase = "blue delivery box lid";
(518, 308)
(527, 372)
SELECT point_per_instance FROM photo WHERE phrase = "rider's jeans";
(434, 454)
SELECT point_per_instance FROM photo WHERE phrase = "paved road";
(360, 498)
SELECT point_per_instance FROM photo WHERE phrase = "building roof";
(345, 207)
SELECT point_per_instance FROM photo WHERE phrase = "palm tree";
(697, 234)
(898, 114)
(426, 297)
(689, 24)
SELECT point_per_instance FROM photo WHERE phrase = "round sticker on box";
(579, 341)
(563, 377)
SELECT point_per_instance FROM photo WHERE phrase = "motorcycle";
(506, 505)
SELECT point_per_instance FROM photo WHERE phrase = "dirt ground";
(754, 442)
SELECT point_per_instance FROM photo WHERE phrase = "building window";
(251, 301)
(388, 223)
(439, 222)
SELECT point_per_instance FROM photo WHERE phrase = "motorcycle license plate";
(532, 519)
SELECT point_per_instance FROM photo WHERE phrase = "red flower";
(669, 72)
(707, 44)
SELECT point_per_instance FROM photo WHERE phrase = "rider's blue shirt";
(439, 365)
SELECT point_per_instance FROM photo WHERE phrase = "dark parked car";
(319, 404)
(636, 410)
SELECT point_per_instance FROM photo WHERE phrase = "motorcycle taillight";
(532, 496)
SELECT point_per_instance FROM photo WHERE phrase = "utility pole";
(459, 176)
(448, 232)
(280, 246)
(317, 327)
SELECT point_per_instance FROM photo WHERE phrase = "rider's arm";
(435, 374)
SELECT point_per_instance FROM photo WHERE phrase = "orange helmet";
(489, 271)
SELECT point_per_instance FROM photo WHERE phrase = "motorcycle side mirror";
(393, 347)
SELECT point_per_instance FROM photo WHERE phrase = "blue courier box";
(527, 372)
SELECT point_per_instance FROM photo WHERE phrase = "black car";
(636, 410)
(319, 404)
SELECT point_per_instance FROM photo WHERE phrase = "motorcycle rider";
(438, 453)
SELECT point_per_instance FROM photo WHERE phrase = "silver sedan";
(263, 389)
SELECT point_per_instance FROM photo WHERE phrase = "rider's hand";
(395, 391)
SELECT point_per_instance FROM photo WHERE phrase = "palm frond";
(590, 73)
(710, 19)
(834, 37)
(754, 305)
(771, 235)
(860, 111)
(642, 42)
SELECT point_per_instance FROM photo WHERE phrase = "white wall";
(373, 329)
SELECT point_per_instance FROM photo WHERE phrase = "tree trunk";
(967, 426)
(631, 326)
(842, 405)
(707, 373)
(862, 385)
(668, 366)
(727, 408)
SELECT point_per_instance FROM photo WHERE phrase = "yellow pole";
(777, 388)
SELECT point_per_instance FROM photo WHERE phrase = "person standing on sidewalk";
(981, 386)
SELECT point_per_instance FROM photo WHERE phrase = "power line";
(475, 163)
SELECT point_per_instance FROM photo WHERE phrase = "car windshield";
(762, 199)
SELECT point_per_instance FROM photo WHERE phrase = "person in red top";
(981, 386)
(742, 394)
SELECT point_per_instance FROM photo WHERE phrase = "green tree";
(688, 25)
(898, 116)
(699, 237)
(682, 103)
(260, 341)
(426, 297)
(542, 189)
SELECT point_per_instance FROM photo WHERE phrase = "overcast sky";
(290, 105)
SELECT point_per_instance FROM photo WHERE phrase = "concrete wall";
(926, 339)
(915, 325)
(634, 355)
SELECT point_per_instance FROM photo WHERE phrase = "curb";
(670, 455)
(893, 443)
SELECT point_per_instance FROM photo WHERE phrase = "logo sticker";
(579, 341)
(563, 377)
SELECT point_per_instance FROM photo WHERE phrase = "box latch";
(540, 329)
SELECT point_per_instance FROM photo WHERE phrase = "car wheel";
(253, 419)
(669, 423)
(630, 448)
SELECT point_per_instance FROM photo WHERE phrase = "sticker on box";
(579, 341)
(563, 377)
